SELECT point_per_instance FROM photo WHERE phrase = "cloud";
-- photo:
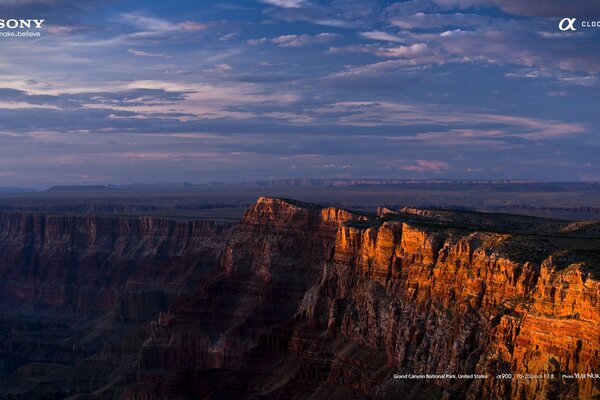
(192, 26)
(255, 42)
(303, 40)
(405, 56)
(530, 8)
(296, 40)
(143, 106)
(563, 77)
(284, 3)
(153, 24)
(134, 97)
(336, 13)
(148, 23)
(427, 166)
(589, 80)
(547, 8)
(466, 124)
(508, 40)
(376, 69)
(228, 36)
(141, 53)
(512, 43)
(423, 20)
(220, 68)
(65, 30)
(383, 36)
(507, 43)
(413, 50)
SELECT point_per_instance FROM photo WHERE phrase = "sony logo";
(21, 23)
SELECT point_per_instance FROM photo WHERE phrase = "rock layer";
(78, 292)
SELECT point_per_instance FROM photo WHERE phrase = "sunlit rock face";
(300, 301)
(460, 302)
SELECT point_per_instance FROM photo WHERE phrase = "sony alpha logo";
(21, 23)
(570, 24)
(567, 24)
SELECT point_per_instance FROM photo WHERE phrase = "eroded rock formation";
(77, 294)
(300, 301)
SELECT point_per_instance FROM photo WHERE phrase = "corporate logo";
(567, 24)
(21, 28)
(571, 24)
(21, 23)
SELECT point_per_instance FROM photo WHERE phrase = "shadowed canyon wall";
(77, 294)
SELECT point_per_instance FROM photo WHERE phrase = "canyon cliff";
(299, 301)
(77, 294)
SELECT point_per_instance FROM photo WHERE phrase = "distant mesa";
(10, 189)
(504, 185)
(325, 182)
(79, 188)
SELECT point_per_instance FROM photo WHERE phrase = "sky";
(200, 91)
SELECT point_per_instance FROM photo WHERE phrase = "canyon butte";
(298, 301)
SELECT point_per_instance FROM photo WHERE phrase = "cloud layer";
(277, 88)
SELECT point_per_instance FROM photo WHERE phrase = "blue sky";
(198, 91)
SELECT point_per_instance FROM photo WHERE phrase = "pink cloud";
(427, 166)
(192, 26)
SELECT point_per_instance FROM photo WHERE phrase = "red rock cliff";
(340, 302)
(442, 300)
